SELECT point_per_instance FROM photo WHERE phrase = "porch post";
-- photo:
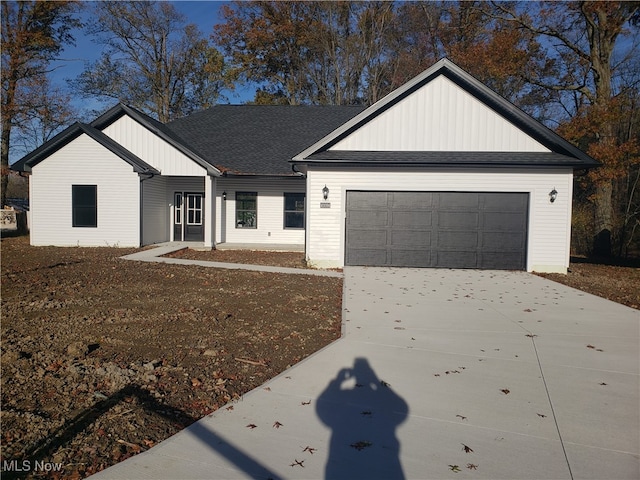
(209, 211)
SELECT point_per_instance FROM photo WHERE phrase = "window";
(84, 205)
(178, 209)
(294, 210)
(246, 210)
(194, 209)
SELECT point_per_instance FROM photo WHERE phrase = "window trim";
(285, 211)
(78, 208)
(255, 194)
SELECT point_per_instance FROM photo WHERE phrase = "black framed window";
(294, 210)
(246, 210)
(84, 205)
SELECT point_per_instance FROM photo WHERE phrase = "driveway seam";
(553, 412)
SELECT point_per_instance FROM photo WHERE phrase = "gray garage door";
(437, 229)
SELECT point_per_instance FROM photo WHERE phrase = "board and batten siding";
(440, 116)
(155, 207)
(270, 225)
(85, 162)
(549, 228)
(152, 149)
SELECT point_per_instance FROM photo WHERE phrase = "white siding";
(151, 148)
(270, 229)
(549, 223)
(440, 116)
(85, 162)
(156, 211)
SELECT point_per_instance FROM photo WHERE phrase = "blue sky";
(73, 59)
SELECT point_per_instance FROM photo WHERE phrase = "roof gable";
(70, 134)
(443, 109)
(155, 127)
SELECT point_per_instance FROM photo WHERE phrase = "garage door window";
(294, 210)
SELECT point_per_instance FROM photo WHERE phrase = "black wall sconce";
(553, 194)
(224, 196)
(325, 192)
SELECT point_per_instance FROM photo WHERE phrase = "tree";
(310, 52)
(33, 35)
(584, 60)
(153, 60)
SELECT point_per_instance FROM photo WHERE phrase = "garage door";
(437, 229)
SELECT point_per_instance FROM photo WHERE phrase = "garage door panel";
(457, 201)
(368, 200)
(503, 221)
(457, 240)
(502, 242)
(368, 256)
(405, 238)
(499, 260)
(372, 218)
(456, 259)
(411, 220)
(369, 237)
(437, 229)
(458, 219)
(410, 258)
(505, 202)
(413, 200)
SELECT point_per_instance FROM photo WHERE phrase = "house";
(442, 172)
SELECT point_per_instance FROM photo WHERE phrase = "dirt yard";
(102, 358)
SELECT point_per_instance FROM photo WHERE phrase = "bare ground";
(102, 358)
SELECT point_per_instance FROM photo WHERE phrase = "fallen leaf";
(466, 448)
(277, 425)
(454, 468)
(472, 466)
(362, 444)
(505, 391)
(252, 426)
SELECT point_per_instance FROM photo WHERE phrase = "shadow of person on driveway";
(363, 413)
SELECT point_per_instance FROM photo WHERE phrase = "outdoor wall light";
(325, 192)
(553, 194)
(224, 195)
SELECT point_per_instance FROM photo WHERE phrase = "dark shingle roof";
(73, 132)
(258, 139)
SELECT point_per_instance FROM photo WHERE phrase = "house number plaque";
(325, 204)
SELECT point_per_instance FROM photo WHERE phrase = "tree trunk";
(603, 219)
(4, 157)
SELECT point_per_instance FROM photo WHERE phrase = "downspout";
(142, 180)
(297, 172)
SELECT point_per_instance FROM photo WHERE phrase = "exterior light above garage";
(553, 194)
(224, 195)
(325, 192)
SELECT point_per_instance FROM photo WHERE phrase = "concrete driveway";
(439, 374)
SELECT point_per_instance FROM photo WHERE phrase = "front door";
(188, 217)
